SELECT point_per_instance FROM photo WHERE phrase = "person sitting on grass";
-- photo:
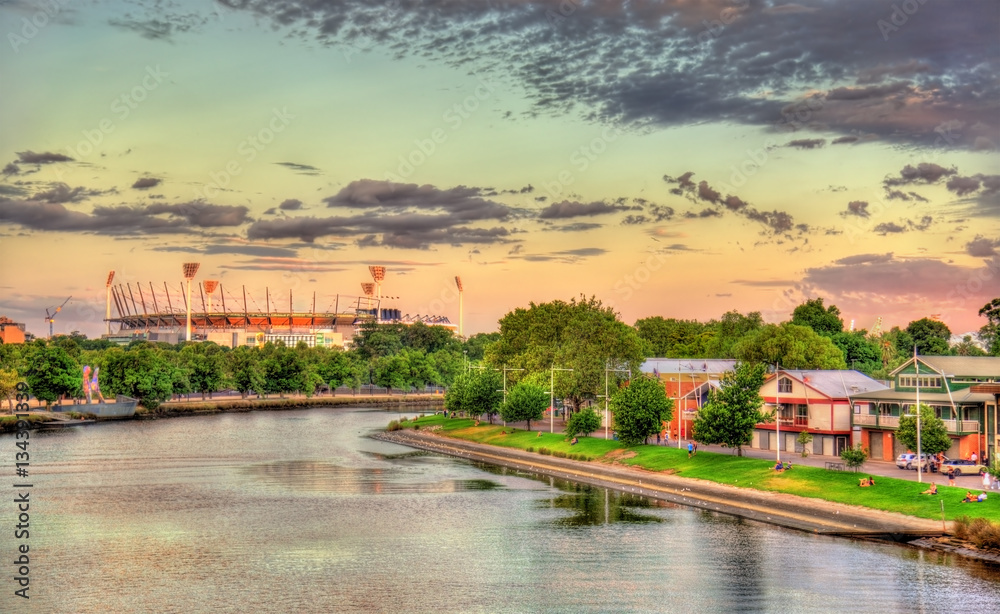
(779, 467)
(574, 442)
(981, 497)
(539, 434)
(866, 482)
(969, 497)
(932, 490)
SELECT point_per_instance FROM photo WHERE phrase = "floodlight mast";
(190, 270)
(210, 286)
(369, 289)
(107, 301)
(378, 274)
(461, 328)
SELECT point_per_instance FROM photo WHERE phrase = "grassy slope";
(889, 494)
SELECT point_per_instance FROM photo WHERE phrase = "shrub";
(530, 449)
(559, 453)
(416, 427)
(545, 451)
(393, 426)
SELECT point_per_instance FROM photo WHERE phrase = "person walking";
(987, 482)
(974, 457)
(951, 475)
(690, 449)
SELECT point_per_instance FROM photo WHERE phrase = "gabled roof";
(835, 383)
(711, 366)
(697, 390)
(974, 366)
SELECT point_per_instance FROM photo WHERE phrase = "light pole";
(107, 304)
(461, 328)
(607, 416)
(505, 370)
(190, 270)
(777, 411)
(916, 370)
(552, 397)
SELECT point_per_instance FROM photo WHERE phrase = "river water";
(301, 511)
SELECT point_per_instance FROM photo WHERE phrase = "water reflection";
(325, 477)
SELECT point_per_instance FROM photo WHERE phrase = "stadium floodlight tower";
(107, 301)
(378, 274)
(458, 282)
(210, 286)
(190, 270)
(369, 289)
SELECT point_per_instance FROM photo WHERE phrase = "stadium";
(207, 311)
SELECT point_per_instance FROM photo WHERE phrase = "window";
(801, 415)
(785, 385)
(911, 381)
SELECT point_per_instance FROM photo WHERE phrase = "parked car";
(903, 460)
(962, 467)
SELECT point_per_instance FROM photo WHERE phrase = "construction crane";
(50, 314)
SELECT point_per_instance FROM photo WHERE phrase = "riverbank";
(177, 409)
(617, 471)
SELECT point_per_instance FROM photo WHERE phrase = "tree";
(823, 320)
(724, 333)
(141, 372)
(859, 351)
(933, 433)
(583, 422)
(283, 369)
(455, 396)
(582, 334)
(672, 338)
(732, 411)
(52, 373)
(475, 346)
(854, 457)
(245, 371)
(967, 347)
(804, 439)
(526, 401)
(790, 345)
(930, 336)
(484, 393)
(990, 333)
(204, 365)
(639, 410)
(8, 386)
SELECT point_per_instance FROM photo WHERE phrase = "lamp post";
(607, 416)
(190, 270)
(777, 411)
(552, 397)
(505, 370)
(916, 370)
(107, 304)
(461, 329)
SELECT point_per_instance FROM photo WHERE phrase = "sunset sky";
(678, 158)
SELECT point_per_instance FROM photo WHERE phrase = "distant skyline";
(672, 158)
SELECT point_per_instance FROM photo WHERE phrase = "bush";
(544, 451)
(416, 427)
(980, 532)
(393, 426)
(559, 453)
(530, 449)
(854, 457)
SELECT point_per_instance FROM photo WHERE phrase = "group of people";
(971, 498)
(780, 467)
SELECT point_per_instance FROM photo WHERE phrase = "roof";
(713, 366)
(977, 366)
(710, 384)
(836, 383)
(961, 397)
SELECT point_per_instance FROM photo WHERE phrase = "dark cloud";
(144, 183)
(576, 227)
(290, 204)
(662, 62)
(889, 228)
(10, 169)
(864, 259)
(844, 139)
(708, 212)
(777, 221)
(981, 247)
(568, 256)
(463, 203)
(62, 193)
(925, 172)
(302, 169)
(203, 215)
(285, 264)
(47, 157)
(705, 192)
(229, 249)
(806, 143)
(634, 220)
(121, 220)
(734, 203)
(568, 209)
(857, 208)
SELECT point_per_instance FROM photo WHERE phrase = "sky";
(678, 158)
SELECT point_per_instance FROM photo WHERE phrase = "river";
(300, 511)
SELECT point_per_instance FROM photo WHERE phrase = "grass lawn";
(889, 494)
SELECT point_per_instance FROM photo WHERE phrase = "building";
(958, 388)
(819, 402)
(11, 331)
(687, 381)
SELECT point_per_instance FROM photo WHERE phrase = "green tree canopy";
(245, 371)
(790, 345)
(51, 372)
(990, 333)
(672, 338)
(583, 422)
(860, 352)
(727, 331)
(640, 409)
(582, 334)
(732, 411)
(204, 365)
(525, 402)
(141, 372)
(930, 336)
(823, 320)
(933, 434)
(484, 393)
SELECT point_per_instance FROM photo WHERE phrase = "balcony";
(892, 422)
(866, 419)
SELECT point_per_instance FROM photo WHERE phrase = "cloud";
(302, 169)
(568, 256)
(925, 172)
(284, 264)
(144, 183)
(157, 218)
(229, 248)
(10, 169)
(806, 143)
(857, 208)
(864, 259)
(576, 227)
(660, 63)
(568, 209)
(62, 193)
(889, 228)
(844, 139)
(705, 192)
(203, 215)
(47, 157)
(981, 247)
(291, 204)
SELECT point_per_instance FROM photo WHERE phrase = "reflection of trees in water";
(319, 476)
(591, 505)
(740, 554)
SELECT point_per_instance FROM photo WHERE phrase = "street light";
(505, 370)
(107, 304)
(552, 397)
(777, 411)
(461, 329)
(916, 367)
(190, 270)
(607, 417)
